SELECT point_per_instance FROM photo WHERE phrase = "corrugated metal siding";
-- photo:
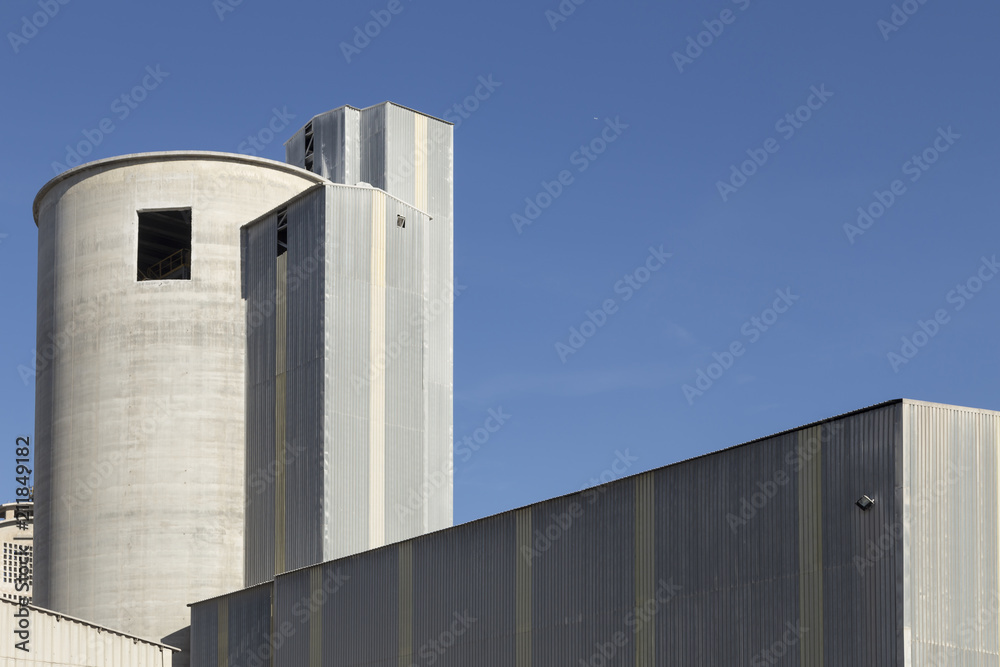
(304, 457)
(952, 573)
(347, 323)
(753, 555)
(57, 641)
(295, 149)
(249, 640)
(205, 634)
(404, 346)
(261, 467)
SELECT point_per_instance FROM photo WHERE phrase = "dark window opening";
(400, 221)
(282, 232)
(164, 245)
(309, 146)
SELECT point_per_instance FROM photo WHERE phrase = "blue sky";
(741, 152)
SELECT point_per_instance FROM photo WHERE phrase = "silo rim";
(168, 156)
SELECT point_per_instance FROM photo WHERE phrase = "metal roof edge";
(349, 106)
(60, 616)
(329, 184)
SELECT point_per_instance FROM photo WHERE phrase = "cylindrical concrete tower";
(139, 398)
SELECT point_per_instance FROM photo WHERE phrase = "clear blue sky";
(879, 97)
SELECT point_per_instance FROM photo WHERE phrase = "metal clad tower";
(139, 405)
(336, 286)
(410, 155)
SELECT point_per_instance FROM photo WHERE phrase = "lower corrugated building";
(36, 637)
(867, 539)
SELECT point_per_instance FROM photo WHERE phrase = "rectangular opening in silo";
(164, 245)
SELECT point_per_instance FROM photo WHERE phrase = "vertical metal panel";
(261, 288)
(408, 474)
(861, 568)
(295, 149)
(292, 613)
(810, 487)
(305, 462)
(952, 575)
(205, 634)
(350, 368)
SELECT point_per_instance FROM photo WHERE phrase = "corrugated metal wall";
(337, 405)
(951, 474)
(409, 155)
(304, 408)
(58, 641)
(753, 555)
(260, 286)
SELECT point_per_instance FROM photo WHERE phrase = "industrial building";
(17, 529)
(151, 405)
(252, 373)
(867, 539)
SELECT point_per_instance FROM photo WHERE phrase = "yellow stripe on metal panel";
(645, 568)
(810, 453)
(405, 604)
(522, 603)
(376, 396)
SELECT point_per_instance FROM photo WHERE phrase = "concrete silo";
(140, 402)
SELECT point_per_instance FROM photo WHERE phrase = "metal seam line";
(376, 389)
